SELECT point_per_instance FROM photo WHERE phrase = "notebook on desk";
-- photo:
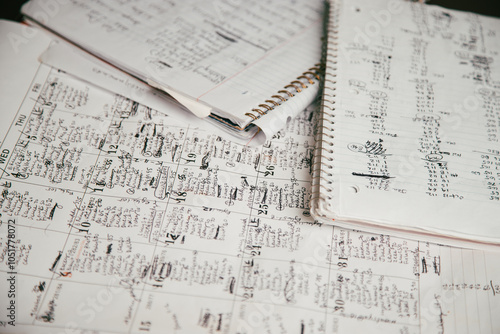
(247, 66)
(410, 134)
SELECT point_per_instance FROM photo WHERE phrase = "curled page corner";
(90, 68)
(276, 119)
(197, 108)
(258, 139)
(100, 74)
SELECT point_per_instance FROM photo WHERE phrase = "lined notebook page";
(208, 51)
(270, 73)
(417, 118)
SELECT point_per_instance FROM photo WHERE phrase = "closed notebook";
(409, 140)
(247, 65)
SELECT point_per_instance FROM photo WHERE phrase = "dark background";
(485, 7)
(9, 9)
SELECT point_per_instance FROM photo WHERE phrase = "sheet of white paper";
(232, 56)
(69, 59)
(114, 219)
(416, 118)
(66, 57)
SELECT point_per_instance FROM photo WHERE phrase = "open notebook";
(243, 64)
(410, 135)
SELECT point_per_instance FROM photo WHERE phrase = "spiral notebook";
(409, 140)
(245, 65)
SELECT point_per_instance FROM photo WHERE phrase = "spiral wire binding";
(323, 162)
(311, 76)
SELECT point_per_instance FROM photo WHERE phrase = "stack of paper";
(123, 212)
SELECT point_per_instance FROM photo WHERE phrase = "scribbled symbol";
(205, 161)
(53, 210)
(232, 283)
(427, 117)
(377, 94)
(38, 111)
(462, 55)
(109, 248)
(355, 147)
(442, 18)
(40, 287)
(58, 257)
(370, 147)
(232, 40)
(157, 64)
(384, 177)
(280, 206)
(65, 274)
(288, 291)
(424, 266)
(47, 318)
(357, 83)
(487, 93)
(20, 176)
(433, 157)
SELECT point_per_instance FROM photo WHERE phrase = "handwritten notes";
(416, 118)
(230, 56)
